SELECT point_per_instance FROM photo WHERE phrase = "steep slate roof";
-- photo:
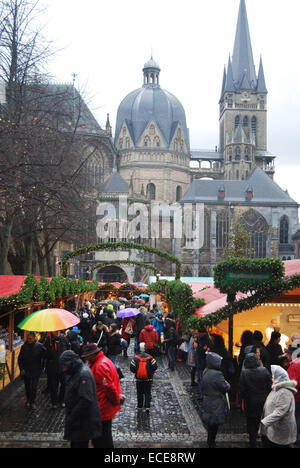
(115, 184)
(265, 191)
(242, 58)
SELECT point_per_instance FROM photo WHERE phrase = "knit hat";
(90, 350)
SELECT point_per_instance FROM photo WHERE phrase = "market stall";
(20, 296)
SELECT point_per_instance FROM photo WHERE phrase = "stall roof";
(215, 300)
(10, 284)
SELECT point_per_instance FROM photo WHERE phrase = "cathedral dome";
(151, 103)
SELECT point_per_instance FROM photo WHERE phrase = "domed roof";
(151, 64)
(148, 103)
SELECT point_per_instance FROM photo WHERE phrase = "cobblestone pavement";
(174, 420)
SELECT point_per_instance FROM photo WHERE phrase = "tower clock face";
(245, 96)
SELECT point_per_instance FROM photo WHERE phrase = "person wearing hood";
(170, 339)
(82, 415)
(278, 425)
(149, 336)
(99, 335)
(30, 360)
(254, 386)
(158, 324)
(109, 393)
(215, 402)
(74, 341)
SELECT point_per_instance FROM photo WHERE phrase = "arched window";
(237, 153)
(237, 121)
(246, 153)
(222, 229)
(284, 230)
(178, 193)
(245, 121)
(151, 191)
(255, 224)
(207, 229)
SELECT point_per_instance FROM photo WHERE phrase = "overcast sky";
(107, 42)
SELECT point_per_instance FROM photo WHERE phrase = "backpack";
(143, 372)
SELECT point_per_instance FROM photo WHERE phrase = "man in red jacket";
(149, 336)
(109, 393)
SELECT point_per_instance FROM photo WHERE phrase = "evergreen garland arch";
(120, 246)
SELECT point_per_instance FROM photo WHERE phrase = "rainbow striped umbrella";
(49, 320)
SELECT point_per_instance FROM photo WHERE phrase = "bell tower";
(243, 107)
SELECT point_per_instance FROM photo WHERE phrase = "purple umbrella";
(128, 313)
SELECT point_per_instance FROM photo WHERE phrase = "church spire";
(261, 82)
(243, 67)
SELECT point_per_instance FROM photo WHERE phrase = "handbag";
(129, 329)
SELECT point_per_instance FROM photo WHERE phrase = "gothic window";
(178, 193)
(230, 154)
(284, 230)
(237, 153)
(127, 142)
(206, 230)
(121, 143)
(246, 153)
(222, 229)
(157, 141)
(237, 121)
(253, 125)
(146, 141)
(151, 191)
(245, 121)
(152, 130)
(256, 225)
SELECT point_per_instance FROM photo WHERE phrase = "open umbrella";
(115, 303)
(145, 295)
(128, 313)
(49, 320)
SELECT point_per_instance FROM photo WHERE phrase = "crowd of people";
(84, 377)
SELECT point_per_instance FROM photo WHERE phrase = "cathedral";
(155, 163)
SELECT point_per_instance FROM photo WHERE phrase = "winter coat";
(275, 350)
(54, 349)
(191, 358)
(82, 416)
(75, 344)
(255, 385)
(200, 351)
(125, 322)
(107, 385)
(151, 365)
(100, 337)
(215, 387)
(114, 344)
(278, 422)
(139, 323)
(149, 336)
(294, 374)
(158, 323)
(31, 359)
(170, 334)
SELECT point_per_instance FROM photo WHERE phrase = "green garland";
(272, 266)
(120, 246)
(42, 290)
(261, 296)
(125, 262)
(180, 297)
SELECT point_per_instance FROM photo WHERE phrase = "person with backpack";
(143, 365)
(149, 336)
